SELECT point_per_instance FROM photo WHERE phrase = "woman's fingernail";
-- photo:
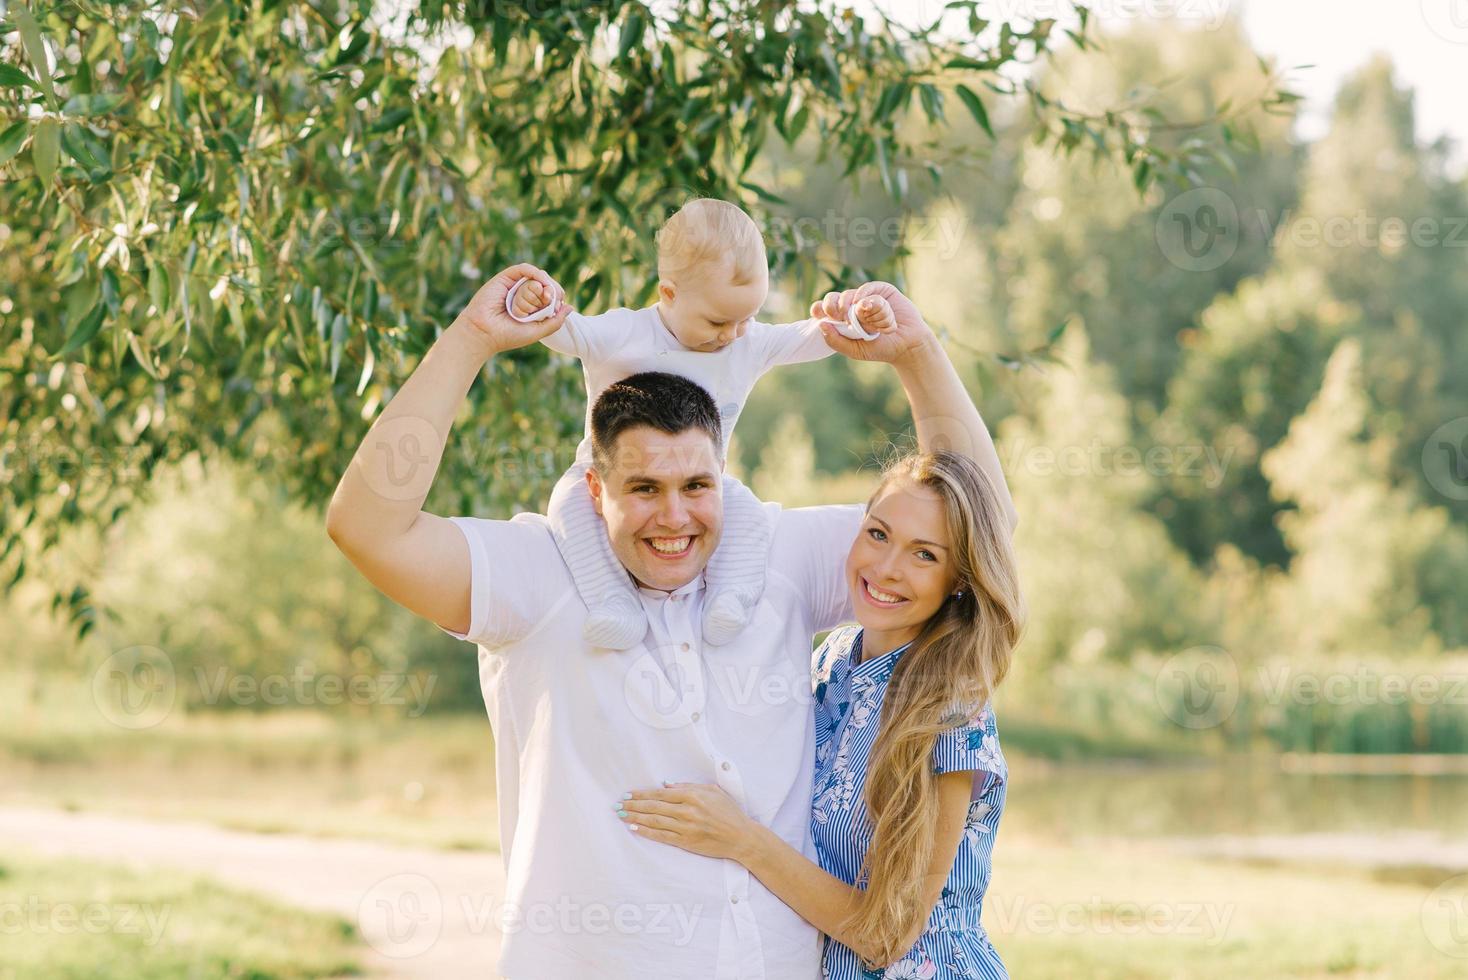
(632, 827)
(626, 796)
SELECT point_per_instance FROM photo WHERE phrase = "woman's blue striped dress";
(848, 704)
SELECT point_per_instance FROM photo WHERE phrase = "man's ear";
(594, 486)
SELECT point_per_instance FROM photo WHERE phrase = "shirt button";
(734, 900)
(723, 765)
(695, 716)
(686, 648)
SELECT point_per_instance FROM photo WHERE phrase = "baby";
(713, 280)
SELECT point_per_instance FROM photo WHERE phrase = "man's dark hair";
(666, 402)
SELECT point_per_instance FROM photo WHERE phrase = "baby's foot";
(726, 613)
(616, 621)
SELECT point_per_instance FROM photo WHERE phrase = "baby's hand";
(529, 298)
(875, 314)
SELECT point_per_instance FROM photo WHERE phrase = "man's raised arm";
(417, 559)
(942, 411)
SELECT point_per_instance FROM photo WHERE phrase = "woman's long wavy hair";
(948, 673)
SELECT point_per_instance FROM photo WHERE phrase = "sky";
(1427, 41)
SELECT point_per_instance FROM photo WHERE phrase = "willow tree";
(229, 229)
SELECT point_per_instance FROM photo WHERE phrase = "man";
(577, 726)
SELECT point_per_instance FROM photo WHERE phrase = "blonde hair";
(945, 678)
(706, 231)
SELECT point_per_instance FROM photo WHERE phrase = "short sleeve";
(794, 343)
(516, 578)
(811, 544)
(973, 745)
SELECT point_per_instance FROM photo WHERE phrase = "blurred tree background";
(228, 232)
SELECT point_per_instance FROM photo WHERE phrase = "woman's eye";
(926, 555)
(876, 534)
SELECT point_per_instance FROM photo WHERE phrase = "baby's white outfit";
(623, 342)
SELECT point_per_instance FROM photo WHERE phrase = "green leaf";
(92, 105)
(391, 120)
(159, 288)
(976, 108)
(35, 47)
(71, 142)
(631, 33)
(338, 338)
(83, 332)
(11, 141)
(965, 62)
(46, 150)
(12, 77)
(763, 194)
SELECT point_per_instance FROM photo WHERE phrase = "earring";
(957, 595)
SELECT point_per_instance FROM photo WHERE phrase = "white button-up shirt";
(577, 726)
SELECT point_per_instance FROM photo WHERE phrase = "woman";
(909, 777)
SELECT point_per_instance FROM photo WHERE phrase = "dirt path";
(423, 913)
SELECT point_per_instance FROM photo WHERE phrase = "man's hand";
(900, 333)
(500, 331)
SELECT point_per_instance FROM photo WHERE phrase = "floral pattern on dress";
(848, 706)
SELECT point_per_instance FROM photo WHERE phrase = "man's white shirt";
(577, 726)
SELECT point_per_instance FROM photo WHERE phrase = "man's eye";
(641, 489)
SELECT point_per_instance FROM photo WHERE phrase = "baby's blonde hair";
(707, 231)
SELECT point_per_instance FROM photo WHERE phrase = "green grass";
(1108, 911)
(72, 919)
(424, 782)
